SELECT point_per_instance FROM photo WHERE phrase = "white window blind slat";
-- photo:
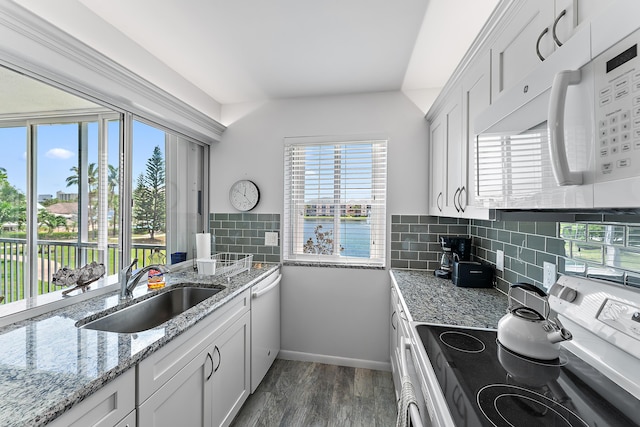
(335, 202)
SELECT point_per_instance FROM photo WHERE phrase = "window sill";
(332, 265)
(26, 308)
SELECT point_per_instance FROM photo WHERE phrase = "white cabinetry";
(446, 148)
(398, 331)
(202, 377)
(437, 162)
(530, 33)
(183, 399)
(476, 96)
(230, 380)
(112, 405)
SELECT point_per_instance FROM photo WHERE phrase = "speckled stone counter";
(47, 364)
(434, 300)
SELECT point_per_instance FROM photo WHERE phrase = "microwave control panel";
(617, 91)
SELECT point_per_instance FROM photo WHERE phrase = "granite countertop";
(434, 300)
(47, 365)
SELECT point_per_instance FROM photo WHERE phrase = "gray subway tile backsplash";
(244, 233)
(599, 249)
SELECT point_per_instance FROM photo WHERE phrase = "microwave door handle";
(555, 122)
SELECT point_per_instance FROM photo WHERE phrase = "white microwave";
(568, 136)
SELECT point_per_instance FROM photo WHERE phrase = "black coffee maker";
(454, 248)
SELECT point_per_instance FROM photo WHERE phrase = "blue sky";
(58, 153)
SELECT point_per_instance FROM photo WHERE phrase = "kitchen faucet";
(129, 281)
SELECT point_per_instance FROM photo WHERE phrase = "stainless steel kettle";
(525, 331)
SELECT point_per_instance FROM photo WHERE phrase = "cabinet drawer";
(162, 365)
(104, 408)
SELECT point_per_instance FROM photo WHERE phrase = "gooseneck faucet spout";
(129, 281)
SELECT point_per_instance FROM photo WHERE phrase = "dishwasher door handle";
(258, 294)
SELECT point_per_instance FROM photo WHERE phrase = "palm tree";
(113, 178)
(92, 183)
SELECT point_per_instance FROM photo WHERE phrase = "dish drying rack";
(230, 264)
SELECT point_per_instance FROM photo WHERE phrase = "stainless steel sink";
(153, 311)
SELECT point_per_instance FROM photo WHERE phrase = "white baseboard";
(334, 360)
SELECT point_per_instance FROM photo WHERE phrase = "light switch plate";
(549, 275)
(271, 238)
(499, 260)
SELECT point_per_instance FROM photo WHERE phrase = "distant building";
(325, 208)
(66, 197)
(44, 197)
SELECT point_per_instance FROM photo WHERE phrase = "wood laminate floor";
(307, 394)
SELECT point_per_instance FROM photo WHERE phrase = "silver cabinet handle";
(392, 325)
(555, 24)
(545, 31)
(219, 359)
(438, 201)
(460, 198)
(210, 358)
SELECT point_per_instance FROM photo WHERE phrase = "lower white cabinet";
(202, 378)
(106, 407)
(210, 389)
(230, 380)
(129, 420)
(183, 400)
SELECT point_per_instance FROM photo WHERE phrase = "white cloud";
(59, 153)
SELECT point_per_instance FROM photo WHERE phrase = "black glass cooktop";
(487, 385)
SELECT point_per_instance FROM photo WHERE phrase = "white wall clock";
(244, 195)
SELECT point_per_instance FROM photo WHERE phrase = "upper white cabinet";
(517, 38)
(445, 158)
(530, 33)
(515, 52)
(437, 162)
(476, 96)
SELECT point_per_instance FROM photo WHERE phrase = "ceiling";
(245, 51)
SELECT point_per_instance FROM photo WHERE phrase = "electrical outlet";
(271, 238)
(499, 260)
(549, 275)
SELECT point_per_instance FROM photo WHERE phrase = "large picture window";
(335, 201)
(66, 164)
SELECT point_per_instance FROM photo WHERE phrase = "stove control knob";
(636, 317)
(568, 294)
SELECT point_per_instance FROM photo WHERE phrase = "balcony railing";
(53, 255)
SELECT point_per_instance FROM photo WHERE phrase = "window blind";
(335, 202)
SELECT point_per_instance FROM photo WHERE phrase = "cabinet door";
(104, 408)
(514, 52)
(394, 325)
(129, 420)
(476, 91)
(437, 159)
(575, 13)
(184, 400)
(231, 374)
(455, 173)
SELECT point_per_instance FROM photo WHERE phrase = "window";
(335, 201)
(66, 164)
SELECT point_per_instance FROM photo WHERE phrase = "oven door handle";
(414, 412)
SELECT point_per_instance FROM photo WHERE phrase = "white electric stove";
(467, 378)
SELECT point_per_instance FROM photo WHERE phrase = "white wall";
(328, 314)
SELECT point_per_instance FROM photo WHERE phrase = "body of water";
(354, 235)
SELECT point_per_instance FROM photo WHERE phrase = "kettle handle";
(529, 287)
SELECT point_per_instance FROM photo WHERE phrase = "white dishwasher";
(265, 326)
